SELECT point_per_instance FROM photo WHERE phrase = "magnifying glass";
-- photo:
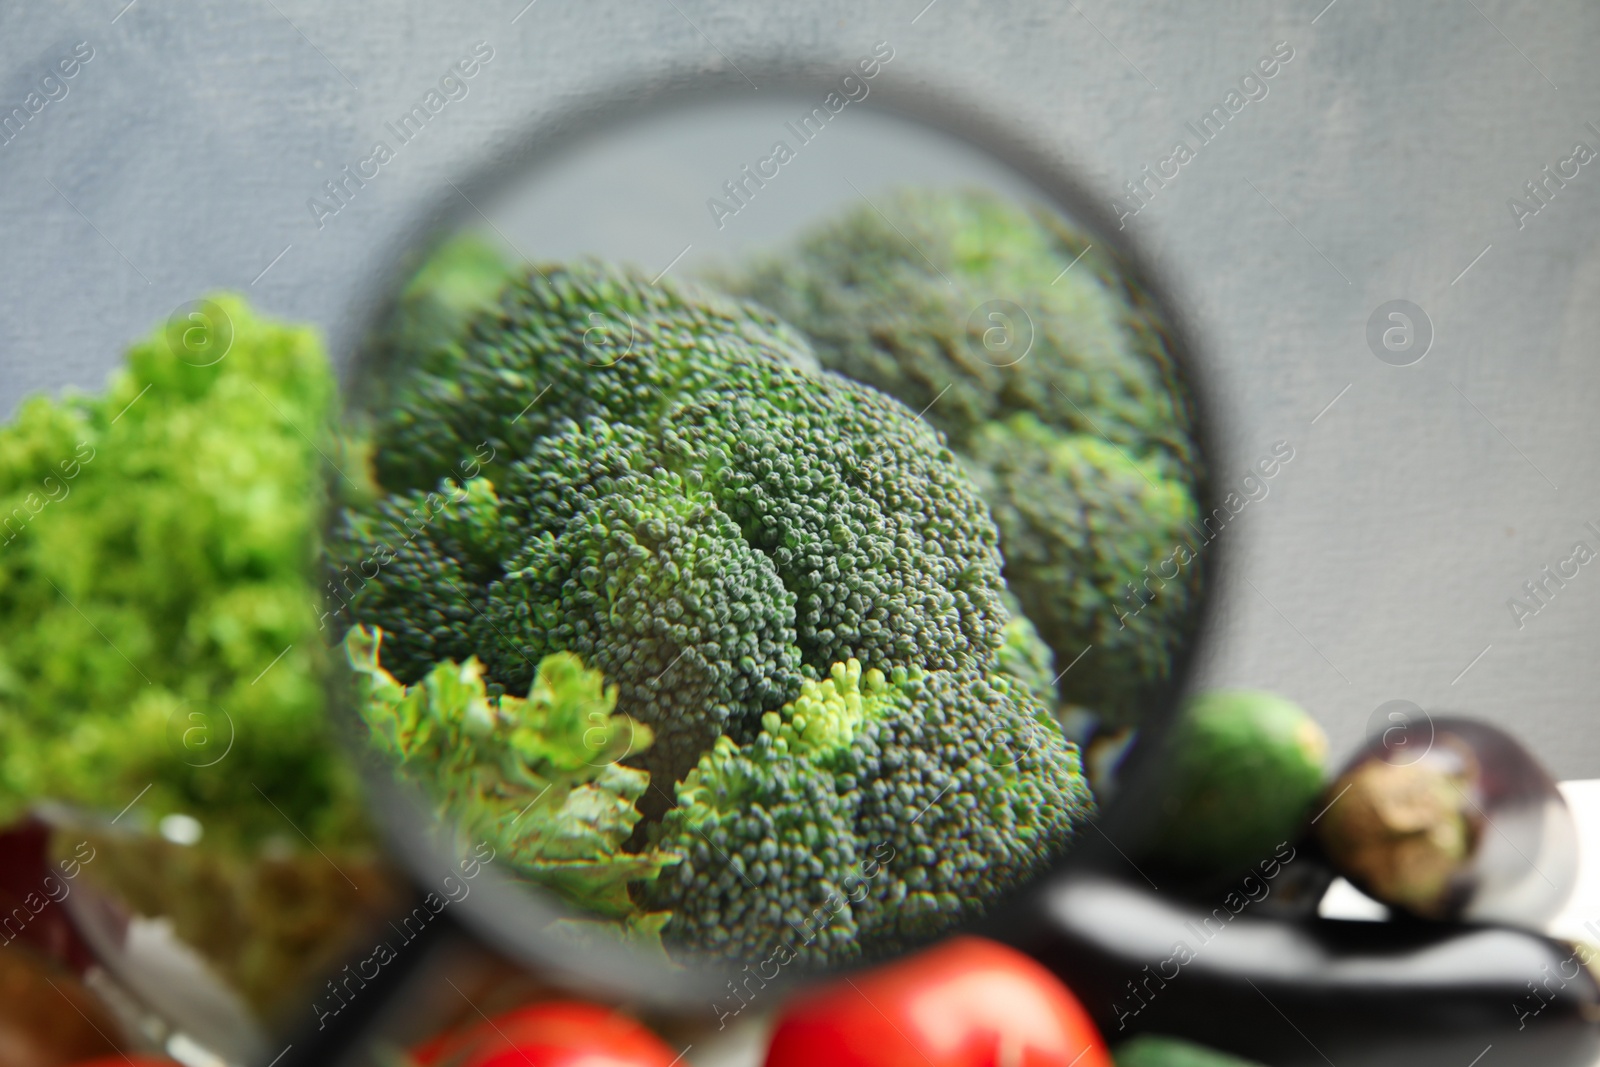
(743, 566)
(779, 516)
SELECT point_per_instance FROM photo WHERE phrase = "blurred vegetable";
(1051, 376)
(553, 1034)
(47, 1017)
(1154, 1051)
(162, 658)
(460, 278)
(157, 545)
(1241, 771)
(965, 1003)
(268, 924)
(1452, 819)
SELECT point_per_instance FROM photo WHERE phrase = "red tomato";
(125, 1061)
(966, 1003)
(562, 1033)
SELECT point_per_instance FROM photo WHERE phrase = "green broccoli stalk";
(978, 313)
(537, 778)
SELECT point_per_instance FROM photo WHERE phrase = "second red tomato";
(555, 1034)
(966, 1003)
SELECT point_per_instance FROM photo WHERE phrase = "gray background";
(1380, 565)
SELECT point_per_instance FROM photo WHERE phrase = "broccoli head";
(869, 814)
(789, 584)
(909, 300)
(1089, 535)
(1024, 657)
(979, 312)
(691, 507)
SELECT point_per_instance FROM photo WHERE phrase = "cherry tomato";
(966, 1003)
(554, 1034)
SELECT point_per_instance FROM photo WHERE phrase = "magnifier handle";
(1314, 991)
(346, 1021)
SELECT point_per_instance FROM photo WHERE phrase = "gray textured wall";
(1378, 167)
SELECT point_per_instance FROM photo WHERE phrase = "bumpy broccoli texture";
(663, 483)
(1088, 534)
(869, 814)
(1051, 376)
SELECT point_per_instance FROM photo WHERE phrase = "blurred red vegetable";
(553, 1034)
(966, 1003)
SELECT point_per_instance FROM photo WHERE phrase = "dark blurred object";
(1452, 819)
(438, 985)
(32, 885)
(1399, 994)
(47, 1017)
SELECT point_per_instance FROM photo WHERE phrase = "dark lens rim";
(507, 916)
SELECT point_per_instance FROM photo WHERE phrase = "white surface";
(1345, 901)
(1580, 919)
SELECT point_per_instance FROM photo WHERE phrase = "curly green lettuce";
(158, 543)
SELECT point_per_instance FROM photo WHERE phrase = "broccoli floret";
(869, 814)
(1025, 658)
(562, 344)
(721, 528)
(423, 606)
(462, 278)
(702, 518)
(899, 300)
(976, 791)
(981, 313)
(654, 585)
(765, 839)
(1090, 535)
